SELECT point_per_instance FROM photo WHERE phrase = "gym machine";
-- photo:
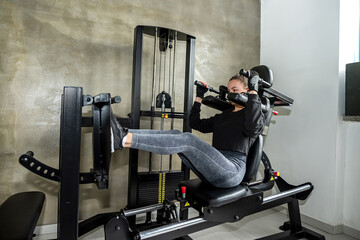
(216, 205)
(155, 185)
(213, 205)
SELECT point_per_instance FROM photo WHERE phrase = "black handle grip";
(201, 84)
(245, 73)
(262, 82)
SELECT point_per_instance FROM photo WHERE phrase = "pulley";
(163, 98)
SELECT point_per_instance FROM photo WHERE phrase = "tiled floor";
(252, 227)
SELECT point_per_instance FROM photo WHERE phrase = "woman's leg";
(154, 131)
(209, 162)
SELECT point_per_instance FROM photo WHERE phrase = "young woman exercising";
(224, 163)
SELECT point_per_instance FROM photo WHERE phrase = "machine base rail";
(304, 233)
(210, 216)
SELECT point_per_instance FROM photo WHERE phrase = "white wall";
(300, 42)
(352, 176)
(349, 52)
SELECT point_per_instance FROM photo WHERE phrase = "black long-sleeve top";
(232, 131)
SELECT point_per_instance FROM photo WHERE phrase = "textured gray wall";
(45, 45)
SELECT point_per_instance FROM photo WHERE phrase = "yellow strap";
(161, 194)
(160, 185)
(163, 187)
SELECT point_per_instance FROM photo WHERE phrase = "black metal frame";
(68, 174)
(69, 162)
(119, 223)
(136, 111)
(70, 145)
(209, 216)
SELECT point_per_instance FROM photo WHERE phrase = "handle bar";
(202, 84)
(242, 100)
(262, 82)
(235, 97)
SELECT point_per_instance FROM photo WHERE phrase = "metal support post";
(69, 163)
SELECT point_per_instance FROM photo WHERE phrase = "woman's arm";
(254, 117)
(202, 125)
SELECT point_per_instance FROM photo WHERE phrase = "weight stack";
(155, 187)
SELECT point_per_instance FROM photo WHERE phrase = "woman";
(224, 163)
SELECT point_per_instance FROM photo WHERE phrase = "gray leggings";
(222, 169)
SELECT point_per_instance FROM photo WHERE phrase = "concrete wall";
(45, 45)
(300, 41)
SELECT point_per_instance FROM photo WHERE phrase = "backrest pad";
(265, 73)
(253, 159)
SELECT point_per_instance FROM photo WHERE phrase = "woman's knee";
(189, 138)
(176, 131)
(188, 135)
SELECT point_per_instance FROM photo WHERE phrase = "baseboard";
(338, 229)
(352, 232)
(46, 229)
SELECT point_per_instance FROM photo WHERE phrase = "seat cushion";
(209, 195)
(19, 215)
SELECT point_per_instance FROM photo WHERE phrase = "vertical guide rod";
(170, 49)
(170, 53)
(154, 71)
(160, 71)
(188, 96)
(173, 90)
(164, 78)
(163, 98)
(173, 78)
(153, 94)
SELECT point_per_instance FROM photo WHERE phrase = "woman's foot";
(117, 133)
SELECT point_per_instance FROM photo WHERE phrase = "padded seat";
(208, 195)
(19, 215)
(215, 197)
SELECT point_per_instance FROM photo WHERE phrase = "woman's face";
(236, 86)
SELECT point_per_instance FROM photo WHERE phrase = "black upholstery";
(265, 73)
(253, 159)
(19, 215)
(217, 103)
(208, 195)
